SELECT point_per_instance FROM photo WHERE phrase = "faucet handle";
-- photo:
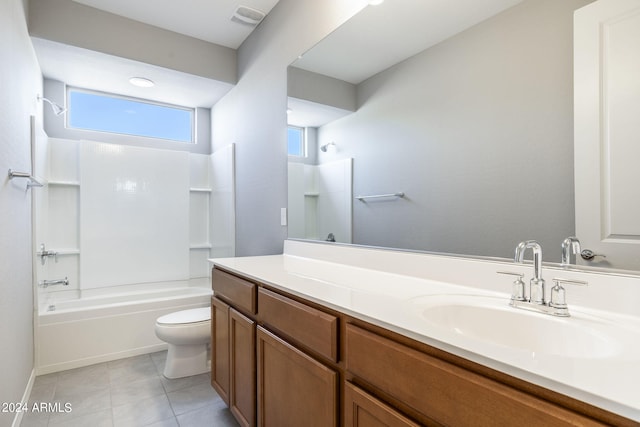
(517, 291)
(558, 280)
(558, 299)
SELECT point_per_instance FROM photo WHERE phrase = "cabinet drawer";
(311, 328)
(444, 392)
(241, 293)
(361, 409)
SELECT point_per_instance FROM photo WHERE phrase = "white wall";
(134, 221)
(20, 81)
(222, 203)
(102, 208)
(253, 115)
(477, 131)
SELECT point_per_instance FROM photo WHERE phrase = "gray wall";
(253, 115)
(20, 81)
(477, 131)
(75, 24)
(321, 89)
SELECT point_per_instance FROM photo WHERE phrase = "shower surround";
(131, 229)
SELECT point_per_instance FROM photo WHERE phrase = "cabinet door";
(242, 336)
(293, 388)
(363, 410)
(220, 368)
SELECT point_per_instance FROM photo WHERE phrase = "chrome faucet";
(569, 245)
(556, 305)
(46, 283)
(536, 284)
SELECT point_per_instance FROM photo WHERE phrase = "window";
(296, 142)
(102, 112)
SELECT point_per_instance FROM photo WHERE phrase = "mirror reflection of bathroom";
(320, 200)
(456, 119)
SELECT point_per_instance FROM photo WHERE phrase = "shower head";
(329, 146)
(57, 109)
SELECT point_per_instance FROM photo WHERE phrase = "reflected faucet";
(569, 245)
(536, 284)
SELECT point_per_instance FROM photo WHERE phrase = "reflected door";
(607, 131)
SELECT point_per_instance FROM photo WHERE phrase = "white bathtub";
(102, 327)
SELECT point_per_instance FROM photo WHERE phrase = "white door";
(607, 131)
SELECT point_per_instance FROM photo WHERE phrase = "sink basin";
(492, 321)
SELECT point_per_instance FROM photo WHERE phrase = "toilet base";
(186, 360)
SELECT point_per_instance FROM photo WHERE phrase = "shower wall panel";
(134, 215)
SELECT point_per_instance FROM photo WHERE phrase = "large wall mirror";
(444, 126)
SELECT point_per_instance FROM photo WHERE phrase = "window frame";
(303, 148)
(191, 110)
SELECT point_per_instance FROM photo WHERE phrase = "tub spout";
(46, 283)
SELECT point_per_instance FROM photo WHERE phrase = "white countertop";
(364, 283)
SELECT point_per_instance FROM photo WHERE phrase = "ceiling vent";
(247, 16)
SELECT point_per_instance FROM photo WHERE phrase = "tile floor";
(127, 392)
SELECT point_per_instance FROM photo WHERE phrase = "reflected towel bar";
(377, 196)
(32, 181)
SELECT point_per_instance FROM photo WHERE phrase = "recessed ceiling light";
(141, 82)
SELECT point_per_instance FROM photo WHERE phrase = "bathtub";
(100, 327)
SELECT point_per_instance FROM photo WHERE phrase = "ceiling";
(383, 35)
(88, 69)
(208, 20)
(415, 26)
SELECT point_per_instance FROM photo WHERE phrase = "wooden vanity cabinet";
(270, 375)
(279, 361)
(297, 352)
(233, 340)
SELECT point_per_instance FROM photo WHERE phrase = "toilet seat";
(184, 317)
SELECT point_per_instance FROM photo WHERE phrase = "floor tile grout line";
(62, 383)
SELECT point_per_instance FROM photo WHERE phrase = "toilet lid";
(193, 315)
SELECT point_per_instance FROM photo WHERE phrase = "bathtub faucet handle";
(43, 254)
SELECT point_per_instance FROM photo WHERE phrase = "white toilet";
(188, 333)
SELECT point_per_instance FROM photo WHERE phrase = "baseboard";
(25, 399)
